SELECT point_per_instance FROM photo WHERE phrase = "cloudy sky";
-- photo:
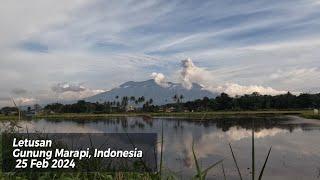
(81, 47)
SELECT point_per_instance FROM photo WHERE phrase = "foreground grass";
(2, 117)
(186, 115)
(310, 115)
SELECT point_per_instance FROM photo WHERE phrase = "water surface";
(295, 142)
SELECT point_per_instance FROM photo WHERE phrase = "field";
(188, 115)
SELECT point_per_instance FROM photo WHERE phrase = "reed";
(235, 162)
(201, 174)
(252, 158)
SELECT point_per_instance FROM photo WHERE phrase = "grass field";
(187, 115)
(310, 115)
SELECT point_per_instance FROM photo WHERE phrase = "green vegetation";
(186, 115)
(11, 117)
(310, 115)
(221, 106)
(223, 102)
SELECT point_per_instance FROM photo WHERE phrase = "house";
(171, 109)
(130, 108)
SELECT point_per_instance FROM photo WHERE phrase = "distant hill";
(150, 89)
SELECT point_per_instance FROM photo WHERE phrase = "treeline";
(9, 110)
(123, 104)
(255, 101)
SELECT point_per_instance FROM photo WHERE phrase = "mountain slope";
(150, 89)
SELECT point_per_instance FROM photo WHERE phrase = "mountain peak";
(151, 90)
(138, 83)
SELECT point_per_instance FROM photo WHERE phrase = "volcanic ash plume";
(160, 79)
(190, 73)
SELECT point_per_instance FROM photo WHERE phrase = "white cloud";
(98, 42)
(79, 95)
(67, 87)
(295, 75)
(24, 101)
(193, 74)
(23, 19)
(70, 91)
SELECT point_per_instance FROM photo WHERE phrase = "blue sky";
(99, 44)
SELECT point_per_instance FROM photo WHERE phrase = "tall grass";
(201, 174)
(161, 153)
(223, 172)
(252, 151)
(252, 158)
(235, 162)
(264, 164)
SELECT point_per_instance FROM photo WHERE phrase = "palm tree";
(124, 102)
(175, 97)
(141, 99)
(181, 97)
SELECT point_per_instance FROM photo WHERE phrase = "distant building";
(33, 111)
(171, 109)
(315, 111)
(130, 108)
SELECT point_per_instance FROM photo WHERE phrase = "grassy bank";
(2, 117)
(310, 115)
(187, 115)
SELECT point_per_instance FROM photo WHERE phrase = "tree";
(124, 102)
(175, 98)
(181, 97)
(223, 101)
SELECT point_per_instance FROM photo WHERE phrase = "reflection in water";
(295, 141)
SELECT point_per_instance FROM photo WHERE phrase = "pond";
(295, 143)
